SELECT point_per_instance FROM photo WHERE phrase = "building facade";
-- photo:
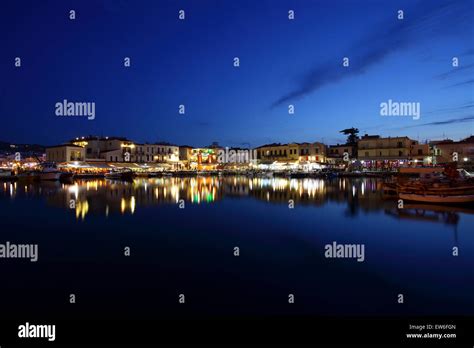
(336, 154)
(159, 152)
(118, 149)
(65, 153)
(446, 151)
(391, 151)
(292, 152)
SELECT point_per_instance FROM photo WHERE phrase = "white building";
(65, 153)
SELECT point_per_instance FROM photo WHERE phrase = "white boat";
(49, 171)
(437, 198)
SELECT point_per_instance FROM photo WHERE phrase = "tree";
(352, 135)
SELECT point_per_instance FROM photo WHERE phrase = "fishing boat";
(265, 174)
(126, 175)
(29, 175)
(389, 188)
(88, 175)
(66, 176)
(432, 198)
(143, 174)
(6, 174)
(49, 171)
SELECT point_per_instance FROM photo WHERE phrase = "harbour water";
(182, 234)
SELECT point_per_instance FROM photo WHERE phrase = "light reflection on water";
(108, 197)
(406, 249)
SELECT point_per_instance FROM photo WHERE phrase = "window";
(420, 152)
(400, 153)
(400, 144)
(366, 154)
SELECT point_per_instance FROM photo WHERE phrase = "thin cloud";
(429, 19)
(451, 109)
(454, 71)
(463, 83)
(442, 123)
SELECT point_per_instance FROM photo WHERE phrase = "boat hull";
(437, 198)
(49, 175)
(6, 176)
(126, 176)
(28, 176)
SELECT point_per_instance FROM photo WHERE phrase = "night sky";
(190, 62)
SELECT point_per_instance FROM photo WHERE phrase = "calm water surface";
(190, 250)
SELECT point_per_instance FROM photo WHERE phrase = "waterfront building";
(335, 153)
(421, 153)
(185, 154)
(120, 149)
(445, 151)
(156, 153)
(203, 158)
(311, 152)
(377, 152)
(292, 152)
(65, 153)
(277, 152)
(112, 149)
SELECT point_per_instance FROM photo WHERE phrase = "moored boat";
(28, 176)
(433, 198)
(143, 174)
(127, 175)
(49, 171)
(265, 174)
(88, 175)
(6, 174)
(66, 176)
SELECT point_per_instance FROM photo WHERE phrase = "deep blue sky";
(191, 62)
